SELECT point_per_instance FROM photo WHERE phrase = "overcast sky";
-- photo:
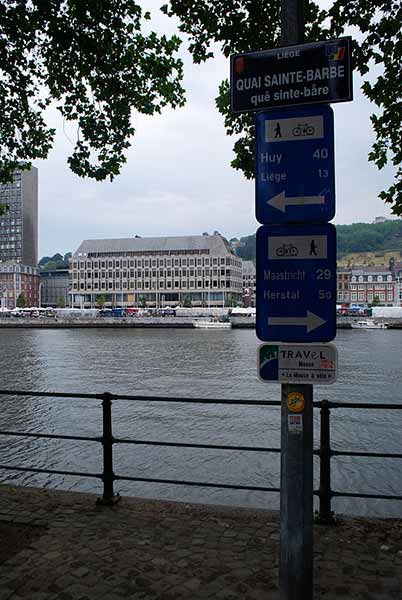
(178, 179)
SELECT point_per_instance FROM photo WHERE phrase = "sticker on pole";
(298, 363)
(295, 402)
(295, 424)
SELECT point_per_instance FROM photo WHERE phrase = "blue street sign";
(296, 283)
(295, 165)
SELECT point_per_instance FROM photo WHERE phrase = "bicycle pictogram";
(287, 250)
(303, 130)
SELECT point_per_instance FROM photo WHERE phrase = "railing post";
(325, 515)
(108, 497)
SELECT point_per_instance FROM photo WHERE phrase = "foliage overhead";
(254, 25)
(92, 59)
(358, 237)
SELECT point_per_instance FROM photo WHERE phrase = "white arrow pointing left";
(280, 201)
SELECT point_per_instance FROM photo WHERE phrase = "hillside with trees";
(57, 261)
(358, 237)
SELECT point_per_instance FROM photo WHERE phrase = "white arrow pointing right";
(311, 321)
(280, 201)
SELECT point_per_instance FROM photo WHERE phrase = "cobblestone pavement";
(151, 550)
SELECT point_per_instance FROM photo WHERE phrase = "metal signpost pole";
(296, 504)
(290, 88)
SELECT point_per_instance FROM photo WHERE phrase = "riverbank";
(68, 547)
(145, 323)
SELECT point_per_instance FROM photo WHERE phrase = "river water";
(192, 363)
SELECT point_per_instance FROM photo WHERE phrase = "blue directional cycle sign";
(295, 165)
(296, 283)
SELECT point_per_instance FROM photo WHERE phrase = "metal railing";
(325, 493)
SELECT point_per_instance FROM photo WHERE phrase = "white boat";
(211, 324)
(368, 324)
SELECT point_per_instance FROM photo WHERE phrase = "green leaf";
(92, 58)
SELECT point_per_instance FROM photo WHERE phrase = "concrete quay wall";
(146, 323)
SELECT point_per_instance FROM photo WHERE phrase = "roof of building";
(343, 270)
(248, 267)
(378, 270)
(216, 244)
(16, 266)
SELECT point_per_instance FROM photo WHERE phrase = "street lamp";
(40, 295)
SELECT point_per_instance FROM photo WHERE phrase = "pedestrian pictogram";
(278, 133)
(313, 248)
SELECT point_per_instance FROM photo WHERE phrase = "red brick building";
(370, 284)
(343, 286)
(17, 279)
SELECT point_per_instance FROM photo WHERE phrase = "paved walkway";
(59, 545)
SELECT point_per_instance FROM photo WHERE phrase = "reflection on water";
(210, 364)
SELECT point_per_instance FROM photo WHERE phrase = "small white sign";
(298, 363)
(295, 424)
(293, 129)
(297, 247)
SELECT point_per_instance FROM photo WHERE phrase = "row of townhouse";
(365, 285)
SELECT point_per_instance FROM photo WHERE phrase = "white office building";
(156, 272)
